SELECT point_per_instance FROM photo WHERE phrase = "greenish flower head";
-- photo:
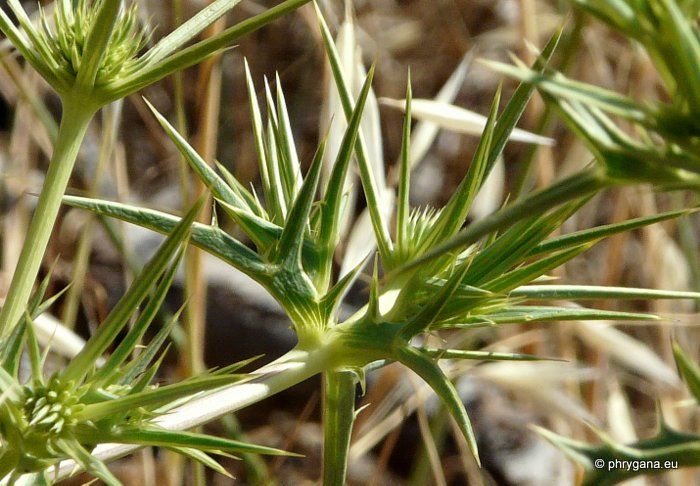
(81, 46)
(65, 39)
(46, 415)
(49, 409)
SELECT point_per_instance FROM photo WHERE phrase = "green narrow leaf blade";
(403, 205)
(127, 305)
(290, 168)
(455, 212)
(443, 387)
(294, 233)
(154, 436)
(90, 463)
(211, 179)
(210, 239)
(431, 310)
(133, 337)
(154, 397)
(594, 292)
(189, 56)
(369, 185)
(332, 201)
(600, 232)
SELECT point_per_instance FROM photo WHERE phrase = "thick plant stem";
(338, 418)
(74, 122)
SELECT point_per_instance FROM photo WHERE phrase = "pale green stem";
(74, 122)
(81, 262)
(338, 418)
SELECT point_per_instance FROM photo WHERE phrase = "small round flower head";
(71, 27)
(61, 37)
(49, 409)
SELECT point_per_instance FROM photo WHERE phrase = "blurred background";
(616, 377)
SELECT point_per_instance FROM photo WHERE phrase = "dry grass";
(617, 376)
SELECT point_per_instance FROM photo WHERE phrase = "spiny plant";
(612, 462)
(429, 275)
(664, 141)
(663, 146)
(93, 53)
(90, 54)
(65, 414)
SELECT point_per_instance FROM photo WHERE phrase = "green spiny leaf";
(143, 361)
(12, 347)
(9, 388)
(259, 138)
(514, 245)
(38, 295)
(216, 184)
(264, 234)
(253, 203)
(559, 86)
(34, 351)
(48, 303)
(369, 185)
(213, 240)
(333, 298)
(593, 292)
(189, 30)
(146, 378)
(530, 272)
(133, 337)
(331, 205)
(581, 185)
(90, 463)
(403, 205)
(167, 438)
(482, 355)
(278, 196)
(622, 462)
(119, 316)
(600, 232)
(170, 60)
(531, 313)
(201, 457)
(441, 385)
(291, 241)
(290, 170)
(154, 397)
(431, 311)
(373, 304)
(516, 106)
(455, 212)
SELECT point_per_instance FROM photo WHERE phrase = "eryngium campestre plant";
(90, 53)
(662, 148)
(45, 420)
(429, 274)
